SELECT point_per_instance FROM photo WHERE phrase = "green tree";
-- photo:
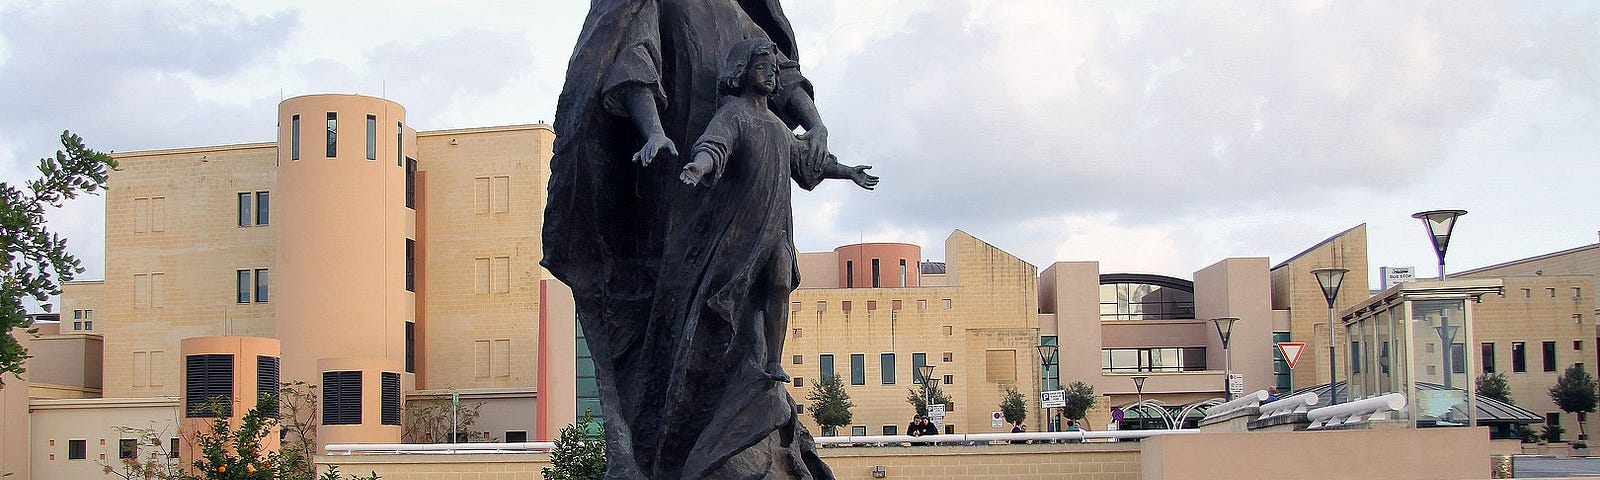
(1080, 398)
(579, 453)
(1013, 406)
(1576, 392)
(918, 397)
(228, 454)
(830, 405)
(1493, 385)
(35, 260)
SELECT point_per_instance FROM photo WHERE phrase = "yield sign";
(1291, 351)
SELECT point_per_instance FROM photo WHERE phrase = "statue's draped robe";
(683, 385)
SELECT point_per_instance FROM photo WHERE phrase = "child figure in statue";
(746, 157)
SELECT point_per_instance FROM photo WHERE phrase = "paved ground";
(1548, 467)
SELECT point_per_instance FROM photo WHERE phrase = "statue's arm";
(642, 109)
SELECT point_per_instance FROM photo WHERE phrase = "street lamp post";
(1138, 386)
(1225, 330)
(926, 371)
(1047, 356)
(1440, 223)
(1330, 279)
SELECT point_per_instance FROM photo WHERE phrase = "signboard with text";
(1236, 383)
(1053, 398)
(936, 414)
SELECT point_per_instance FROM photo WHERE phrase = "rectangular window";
(294, 137)
(244, 209)
(858, 430)
(243, 286)
(411, 347)
(77, 449)
(1487, 357)
(1281, 373)
(267, 379)
(262, 210)
(516, 436)
(208, 386)
(261, 285)
(903, 273)
(88, 325)
(1552, 419)
(825, 365)
(77, 325)
(1458, 358)
(875, 273)
(849, 274)
(858, 369)
(1519, 357)
(1577, 344)
(372, 137)
(949, 379)
(411, 183)
(391, 399)
(799, 359)
(411, 265)
(799, 382)
(1355, 357)
(891, 430)
(333, 134)
(1549, 356)
(886, 368)
(341, 398)
(172, 449)
(399, 143)
(917, 361)
(127, 448)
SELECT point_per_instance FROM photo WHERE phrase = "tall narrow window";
(886, 368)
(1488, 357)
(858, 369)
(411, 265)
(825, 365)
(267, 378)
(875, 283)
(294, 137)
(411, 183)
(1458, 358)
(261, 285)
(1549, 356)
(903, 273)
(1519, 357)
(372, 137)
(262, 207)
(341, 398)
(411, 347)
(391, 399)
(244, 209)
(243, 286)
(917, 361)
(333, 134)
(399, 143)
(849, 274)
(208, 386)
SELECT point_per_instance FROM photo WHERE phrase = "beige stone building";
(1303, 308)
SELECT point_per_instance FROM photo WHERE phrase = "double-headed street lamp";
(1047, 356)
(1330, 279)
(926, 371)
(1440, 223)
(1225, 330)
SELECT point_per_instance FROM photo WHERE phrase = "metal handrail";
(1301, 403)
(540, 447)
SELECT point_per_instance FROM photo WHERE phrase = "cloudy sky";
(1152, 137)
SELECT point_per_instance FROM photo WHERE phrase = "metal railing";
(952, 439)
(1381, 407)
(1301, 403)
(1244, 402)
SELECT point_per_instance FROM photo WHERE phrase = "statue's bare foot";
(777, 373)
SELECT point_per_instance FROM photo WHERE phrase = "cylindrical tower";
(878, 265)
(343, 229)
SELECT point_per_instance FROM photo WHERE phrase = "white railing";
(1380, 407)
(955, 439)
(1245, 402)
(1301, 403)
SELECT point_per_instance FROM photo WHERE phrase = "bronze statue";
(682, 290)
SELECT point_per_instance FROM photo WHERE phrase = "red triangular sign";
(1291, 351)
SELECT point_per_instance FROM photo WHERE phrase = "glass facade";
(1144, 301)
(1162, 359)
(1281, 373)
(588, 390)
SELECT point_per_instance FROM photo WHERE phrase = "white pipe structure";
(1367, 409)
(536, 447)
(1247, 401)
(1301, 403)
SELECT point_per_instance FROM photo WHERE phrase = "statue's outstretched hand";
(859, 175)
(653, 148)
(696, 170)
(815, 141)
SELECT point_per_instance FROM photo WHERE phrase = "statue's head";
(753, 62)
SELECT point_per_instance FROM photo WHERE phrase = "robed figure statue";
(681, 266)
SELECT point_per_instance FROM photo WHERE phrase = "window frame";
(333, 134)
(1519, 357)
(858, 369)
(372, 137)
(886, 368)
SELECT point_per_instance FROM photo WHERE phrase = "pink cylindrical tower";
(878, 265)
(343, 228)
